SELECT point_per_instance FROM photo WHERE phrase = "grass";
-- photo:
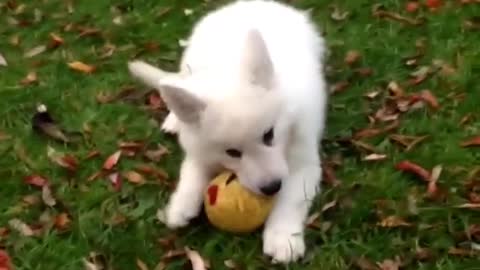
(71, 99)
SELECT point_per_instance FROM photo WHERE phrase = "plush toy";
(231, 207)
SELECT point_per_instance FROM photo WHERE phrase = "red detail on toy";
(212, 194)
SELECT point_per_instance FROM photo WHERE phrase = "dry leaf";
(47, 196)
(31, 78)
(81, 67)
(157, 154)
(395, 90)
(372, 94)
(92, 154)
(195, 259)
(412, 6)
(352, 57)
(389, 264)
(408, 141)
(408, 166)
(329, 176)
(116, 181)
(112, 160)
(3, 61)
(230, 264)
(55, 41)
(393, 222)
(463, 252)
(469, 206)
(66, 161)
(36, 180)
(134, 177)
(329, 205)
(432, 188)
(43, 122)
(433, 4)
(337, 14)
(5, 261)
(141, 265)
(339, 87)
(35, 51)
(365, 264)
(475, 141)
(379, 13)
(423, 254)
(21, 227)
(375, 157)
(429, 98)
(62, 222)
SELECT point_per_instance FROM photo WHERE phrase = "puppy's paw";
(170, 124)
(177, 215)
(282, 245)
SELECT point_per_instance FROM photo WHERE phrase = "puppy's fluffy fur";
(249, 96)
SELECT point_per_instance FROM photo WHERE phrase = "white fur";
(249, 66)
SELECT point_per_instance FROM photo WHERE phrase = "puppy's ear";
(256, 63)
(184, 105)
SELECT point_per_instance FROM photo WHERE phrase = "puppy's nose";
(272, 188)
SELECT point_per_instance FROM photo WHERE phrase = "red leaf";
(429, 98)
(112, 160)
(5, 261)
(412, 6)
(36, 180)
(116, 181)
(408, 166)
(433, 4)
(70, 162)
(471, 142)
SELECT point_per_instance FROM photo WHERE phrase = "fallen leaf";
(31, 78)
(134, 177)
(339, 87)
(112, 160)
(31, 199)
(5, 261)
(150, 170)
(375, 157)
(157, 154)
(55, 41)
(230, 264)
(429, 98)
(352, 57)
(423, 254)
(390, 264)
(475, 141)
(433, 4)
(47, 196)
(43, 122)
(329, 176)
(395, 90)
(408, 166)
(393, 222)
(92, 154)
(412, 6)
(116, 181)
(329, 205)
(432, 189)
(407, 141)
(36, 180)
(95, 176)
(463, 252)
(81, 67)
(21, 227)
(364, 264)
(195, 259)
(372, 94)
(35, 51)
(88, 31)
(66, 161)
(62, 222)
(337, 14)
(380, 13)
(469, 206)
(3, 61)
(141, 265)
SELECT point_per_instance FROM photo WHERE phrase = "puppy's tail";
(147, 73)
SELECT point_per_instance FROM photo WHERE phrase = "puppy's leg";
(185, 203)
(170, 124)
(283, 237)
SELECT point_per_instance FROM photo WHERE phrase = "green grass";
(71, 99)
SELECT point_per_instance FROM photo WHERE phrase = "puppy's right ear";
(148, 74)
(184, 105)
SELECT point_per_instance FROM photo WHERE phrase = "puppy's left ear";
(186, 106)
(256, 63)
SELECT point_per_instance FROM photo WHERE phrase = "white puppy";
(250, 96)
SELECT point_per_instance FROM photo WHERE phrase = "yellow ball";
(231, 207)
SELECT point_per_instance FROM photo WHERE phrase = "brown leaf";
(337, 14)
(62, 222)
(395, 90)
(5, 261)
(88, 31)
(329, 176)
(230, 264)
(35, 51)
(367, 133)
(150, 170)
(364, 264)
(55, 41)
(4, 136)
(446, 69)
(363, 146)
(408, 166)
(157, 154)
(475, 141)
(195, 259)
(393, 222)
(155, 101)
(66, 161)
(352, 57)
(43, 122)
(81, 67)
(95, 176)
(469, 206)
(14, 40)
(112, 160)
(408, 141)
(141, 265)
(389, 264)
(372, 94)
(36, 180)
(379, 13)
(47, 196)
(339, 87)
(364, 72)
(375, 157)
(21, 227)
(31, 199)
(466, 118)
(329, 205)
(116, 181)
(432, 189)
(31, 78)
(92, 154)
(134, 177)
(462, 252)
(429, 98)
(423, 254)
(3, 61)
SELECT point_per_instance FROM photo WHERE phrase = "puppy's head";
(242, 128)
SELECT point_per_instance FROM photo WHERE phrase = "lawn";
(402, 90)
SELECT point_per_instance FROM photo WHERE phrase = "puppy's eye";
(268, 137)
(234, 153)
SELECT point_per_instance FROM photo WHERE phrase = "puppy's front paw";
(177, 215)
(282, 245)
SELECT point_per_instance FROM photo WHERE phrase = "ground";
(372, 214)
